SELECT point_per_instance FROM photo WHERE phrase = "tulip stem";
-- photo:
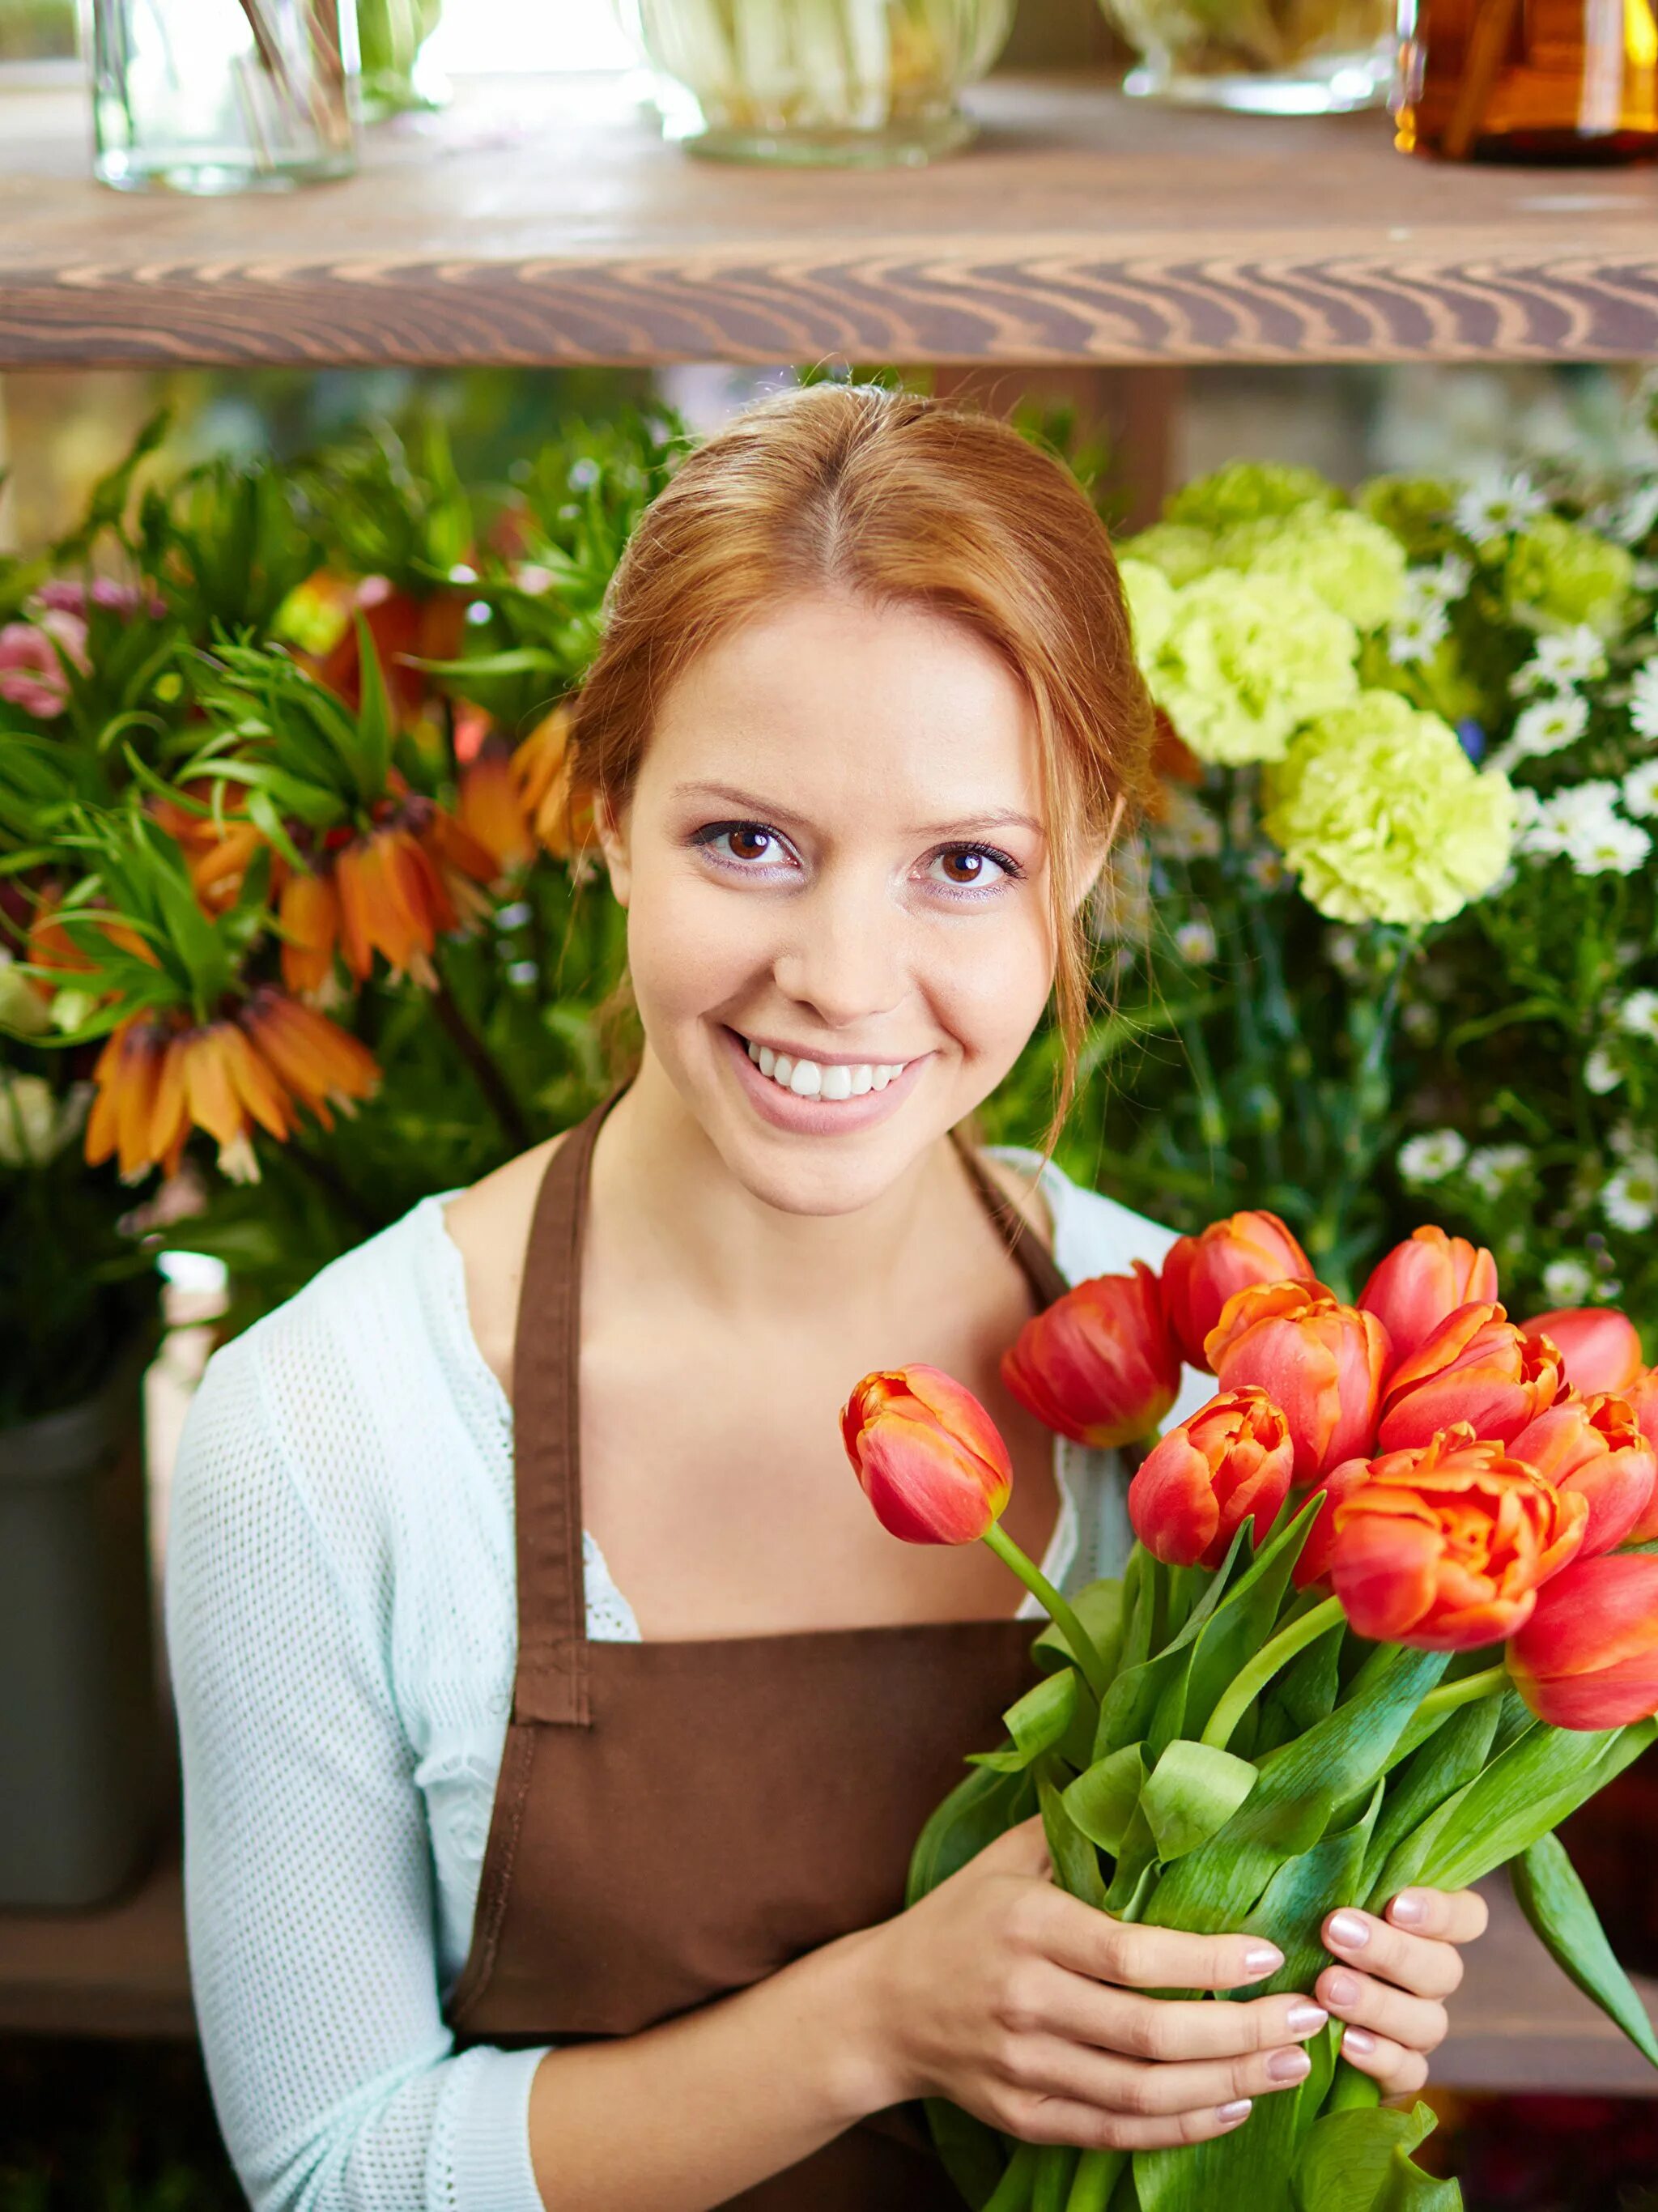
(1490, 1682)
(1250, 1680)
(1058, 1608)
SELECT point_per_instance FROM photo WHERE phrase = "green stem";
(1012, 2192)
(1250, 1680)
(1096, 2177)
(1490, 1682)
(1058, 1609)
(1351, 2091)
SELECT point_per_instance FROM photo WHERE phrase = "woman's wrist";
(859, 2059)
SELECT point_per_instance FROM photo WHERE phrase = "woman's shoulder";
(1091, 1234)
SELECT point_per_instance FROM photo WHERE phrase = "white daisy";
(1601, 1072)
(1639, 1015)
(1548, 726)
(1415, 630)
(1568, 1282)
(1630, 1198)
(1447, 580)
(1195, 941)
(1614, 847)
(1547, 826)
(1496, 503)
(1561, 659)
(1623, 1139)
(1643, 699)
(1641, 789)
(1431, 1157)
(1494, 1167)
(1634, 521)
(1267, 868)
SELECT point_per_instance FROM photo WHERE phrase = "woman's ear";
(611, 825)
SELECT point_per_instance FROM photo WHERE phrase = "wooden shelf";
(543, 221)
(1519, 2026)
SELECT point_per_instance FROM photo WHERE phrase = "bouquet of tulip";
(1391, 1615)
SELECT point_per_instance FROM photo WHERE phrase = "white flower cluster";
(1422, 617)
(1438, 1153)
(1561, 660)
(1496, 502)
(1581, 824)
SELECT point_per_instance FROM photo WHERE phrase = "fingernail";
(1262, 1959)
(1229, 2115)
(1289, 2066)
(1341, 1989)
(1359, 2040)
(1348, 1931)
(1305, 2018)
(1408, 1909)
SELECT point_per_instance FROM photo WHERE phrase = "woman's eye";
(747, 844)
(971, 867)
(750, 843)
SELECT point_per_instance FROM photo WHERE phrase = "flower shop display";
(220, 95)
(1482, 80)
(1260, 57)
(1391, 1616)
(862, 82)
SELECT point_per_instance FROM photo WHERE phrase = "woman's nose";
(844, 957)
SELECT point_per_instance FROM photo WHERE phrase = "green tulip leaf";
(1076, 1863)
(1101, 1800)
(1099, 1607)
(1360, 2162)
(1445, 1763)
(1555, 1901)
(1293, 1904)
(1149, 1688)
(1247, 2171)
(1056, 2169)
(983, 1805)
(970, 2153)
(1243, 1622)
(1037, 1723)
(1193, 1792)
(1305, 1693)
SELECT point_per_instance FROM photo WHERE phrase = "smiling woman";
(557, 1723)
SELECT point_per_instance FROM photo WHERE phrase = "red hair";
(900, 499)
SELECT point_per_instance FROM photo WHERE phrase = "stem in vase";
(1058, 1608)
(1251, 1679)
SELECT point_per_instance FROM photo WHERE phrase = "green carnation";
(1246, 658)
(1180, 549)
(1384, 817)
(1353, 564)
(1150, 597)
(1559, 575)
(1245, 491)
(1418, 510)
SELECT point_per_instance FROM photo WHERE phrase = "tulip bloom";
(1588, 1658)
(1194, 1490)
(1320, 1362)
(1599, 1346)
(1594, 1445)
(1200, 1274)
(1446, 1545)
(1422, 1280)
(931, 1460)
(1476, 1367)
(1099, 1365)
(1313, 1567)
(1641, 1399)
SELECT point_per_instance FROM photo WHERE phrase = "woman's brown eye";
(749, 844)
(964, 867)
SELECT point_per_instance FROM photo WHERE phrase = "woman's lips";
(817, 1117)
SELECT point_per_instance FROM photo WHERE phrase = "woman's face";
(834, 867)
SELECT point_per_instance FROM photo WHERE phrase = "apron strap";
(551, 1681)
(550, 1684)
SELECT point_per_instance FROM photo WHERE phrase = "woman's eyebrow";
(768, 810)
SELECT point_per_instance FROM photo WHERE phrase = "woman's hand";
(1392, 1977)
(1024, 2006)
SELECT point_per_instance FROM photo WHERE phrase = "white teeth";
(810, 1079)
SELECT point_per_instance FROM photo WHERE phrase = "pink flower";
(30, 672)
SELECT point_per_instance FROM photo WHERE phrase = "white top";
(340, 1612)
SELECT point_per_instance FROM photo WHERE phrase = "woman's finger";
(1166, 2028)
(1023, 1849)
(1455, 1916)
(1421, 1964)
(1054, 2067)
(1419, 2023)
(1059, 2120)
(1134, 1957)
(1400, 2071)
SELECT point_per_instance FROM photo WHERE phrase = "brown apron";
(673, 1821)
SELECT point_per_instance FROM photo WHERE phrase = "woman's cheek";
(987, 986)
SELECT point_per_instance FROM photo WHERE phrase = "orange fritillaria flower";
(216, 853)
(562, 819)
(1444, 1545)
(317, 1062)
(392, 901)
(492, 808)
(308, 916)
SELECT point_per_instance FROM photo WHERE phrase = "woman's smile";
(819, 1097)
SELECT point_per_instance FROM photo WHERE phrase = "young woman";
(557, 1717)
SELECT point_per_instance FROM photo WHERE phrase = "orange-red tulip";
(1641, 1399)
(1422, 1280)
(1446, 1545)
(1475, 1367)
(1200, 1274)
(1099, 1365)
(1594, 1445)
(1588, 1658)
(1321, 1362)
(1313, 1567)
(931, 1460)
(1599, 1346)
(1231, 1461)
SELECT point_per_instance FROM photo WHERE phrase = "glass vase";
(864, 82)
(1560, 80)
(396, 76)
(1265, 57)
(221, 96)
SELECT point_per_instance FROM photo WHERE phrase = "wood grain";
(544, 221)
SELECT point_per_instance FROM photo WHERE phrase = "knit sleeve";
(307, 1867)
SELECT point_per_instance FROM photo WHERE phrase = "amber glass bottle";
(1529, 80)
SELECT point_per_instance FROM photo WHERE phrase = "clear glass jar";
(221, 96)
(1266, 56)
(849, 81)
(1557, 81)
